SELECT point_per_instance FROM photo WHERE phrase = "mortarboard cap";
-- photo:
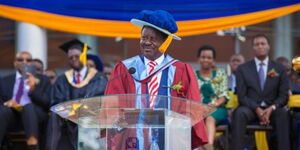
(75, 43)
(158, 19)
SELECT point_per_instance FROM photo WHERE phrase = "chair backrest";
(294, 101)
(233, 101)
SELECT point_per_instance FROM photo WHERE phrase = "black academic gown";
(63, 134)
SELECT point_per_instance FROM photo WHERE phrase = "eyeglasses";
(24, 59)
(75, 56)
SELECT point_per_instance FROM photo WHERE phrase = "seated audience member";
(286, 64)
(235, 61)
(262, 89)
(39, 65)
(52, 75)
(107, 70)
(213, 86)
(291, 75)
(77, 82)
(24, 100)
(95, 62)
(294, 101)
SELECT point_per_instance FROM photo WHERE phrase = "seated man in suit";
(24, 99)
(262, 90)
(235, 61)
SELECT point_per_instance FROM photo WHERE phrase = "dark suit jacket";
(248, 88)
(39, 96)
(1, 91)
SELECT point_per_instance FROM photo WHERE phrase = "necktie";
(261, 75)
(20, 90)
(78, 78)
(153, 84)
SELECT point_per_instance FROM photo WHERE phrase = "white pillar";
(237, 45)
(92, 41)
(33, 39)
(282, 45)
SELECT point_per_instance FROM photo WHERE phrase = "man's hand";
(267, 114)
(11, 103)
(31, 81)
(260, 113)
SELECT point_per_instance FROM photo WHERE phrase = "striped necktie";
(153, 84)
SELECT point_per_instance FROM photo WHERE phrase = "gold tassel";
(164, 46)
(82, 56)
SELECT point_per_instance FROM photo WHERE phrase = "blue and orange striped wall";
(111, 18)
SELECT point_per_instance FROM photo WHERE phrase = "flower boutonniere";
(217, 80)
(179, 88)
(272, 73)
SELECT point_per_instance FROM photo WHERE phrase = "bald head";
(23, 53)
(235, 61)
(21, 59)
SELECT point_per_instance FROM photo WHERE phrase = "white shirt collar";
(82, 72)
(18, 75)
(257, 61)
(159, 60)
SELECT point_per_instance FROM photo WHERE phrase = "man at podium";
(154, 72)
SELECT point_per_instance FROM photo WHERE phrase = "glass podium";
(125, 122)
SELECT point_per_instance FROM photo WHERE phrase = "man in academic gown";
(155, 70)
(78, 82)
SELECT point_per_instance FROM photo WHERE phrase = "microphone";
(131, 70)
(117, 125)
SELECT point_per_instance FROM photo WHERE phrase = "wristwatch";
(273, 107)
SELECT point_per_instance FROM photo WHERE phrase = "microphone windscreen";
(131, 70)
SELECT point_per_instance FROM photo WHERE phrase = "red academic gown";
(122, 82)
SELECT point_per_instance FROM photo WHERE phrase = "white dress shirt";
(82, 72)
(25, 99)
(232, 82)
(265, 66)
